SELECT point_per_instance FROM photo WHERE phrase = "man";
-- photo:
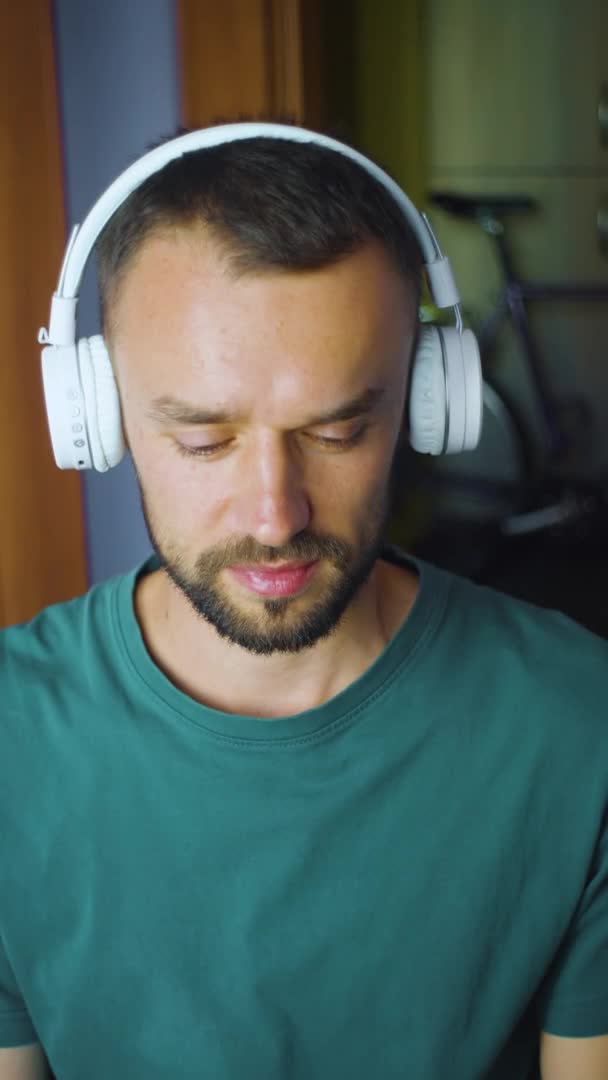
(281, 802)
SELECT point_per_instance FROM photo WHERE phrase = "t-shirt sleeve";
(574, 997)
(16, 1028)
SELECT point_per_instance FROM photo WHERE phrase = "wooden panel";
(224, 51)
(285, 58)
(389, 51)
(253, 59)
(41, 529)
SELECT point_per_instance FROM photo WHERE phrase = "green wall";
(375, 83)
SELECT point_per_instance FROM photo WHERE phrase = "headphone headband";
(80, 390)
(62, 325)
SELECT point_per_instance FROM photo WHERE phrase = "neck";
(202, 664)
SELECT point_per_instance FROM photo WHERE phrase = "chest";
(286, 917)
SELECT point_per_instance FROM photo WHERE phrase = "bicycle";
(485, 507)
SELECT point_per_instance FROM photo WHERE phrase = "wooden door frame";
(42, 548)
(273, 45)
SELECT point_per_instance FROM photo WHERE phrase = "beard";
(274, 627)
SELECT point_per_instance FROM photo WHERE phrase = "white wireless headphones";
(81, 397)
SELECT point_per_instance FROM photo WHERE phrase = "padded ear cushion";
(474, 383)
(102, 403)
(428, 402)
(463, 389)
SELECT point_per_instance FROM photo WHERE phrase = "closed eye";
(202, 451)
(337, 442)
(331, 442)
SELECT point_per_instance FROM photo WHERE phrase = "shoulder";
(55, 643)
(488, 631)
(526, 629)
(538, 660)
(45, 631)
(529, 688)
(516, 624)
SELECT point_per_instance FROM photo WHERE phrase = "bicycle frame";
(512, 302)
(540, 498)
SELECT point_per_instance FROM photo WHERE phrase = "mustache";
(306, 547)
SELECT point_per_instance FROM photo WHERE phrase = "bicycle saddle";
(472, 206)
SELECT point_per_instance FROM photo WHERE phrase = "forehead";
(181, 315)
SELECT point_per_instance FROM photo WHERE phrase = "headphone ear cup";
(428, 399)
(446, 392)
(102, 403)
(65, 406)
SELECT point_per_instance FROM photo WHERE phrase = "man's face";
(262, 413)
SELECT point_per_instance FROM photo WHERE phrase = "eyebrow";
(172, 410)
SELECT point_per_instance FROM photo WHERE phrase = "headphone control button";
(78, 442)
(76, 428)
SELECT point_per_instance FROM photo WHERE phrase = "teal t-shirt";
(409, 881)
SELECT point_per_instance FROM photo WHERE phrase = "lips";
(285, 580)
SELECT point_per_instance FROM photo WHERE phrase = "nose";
(274, 505)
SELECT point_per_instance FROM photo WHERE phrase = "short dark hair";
(271, 203)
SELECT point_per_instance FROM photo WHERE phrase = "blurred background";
(494, 119)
